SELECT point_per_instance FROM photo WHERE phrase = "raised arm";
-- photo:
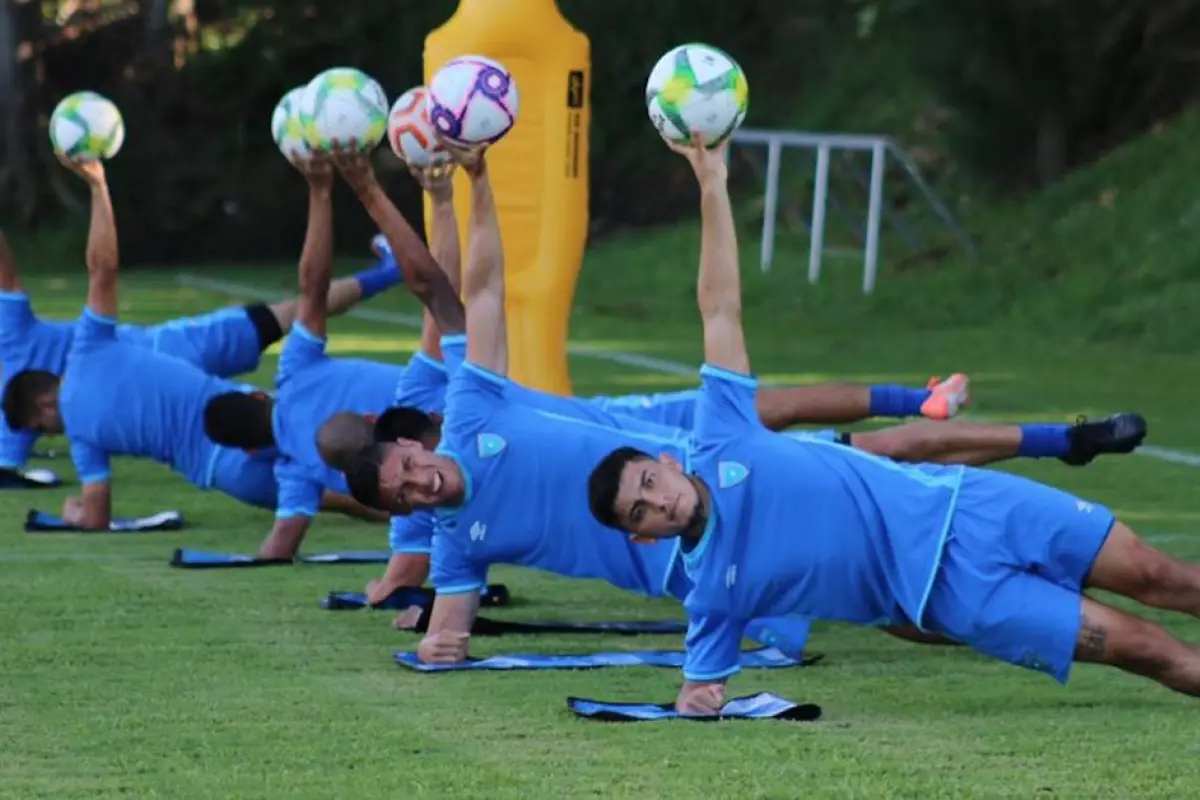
(10, 280)
(718, 288)
(483, 283)
(316, 259)
(424, 278)
(102, 253)
(438, 183)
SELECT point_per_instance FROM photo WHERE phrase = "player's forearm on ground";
(446, 247)
(453, 612)
(345, 504)
(10, 280)
(97, 506)
(102, 255)
(316, 262)
(406, 569)
(828, 404)
(424, 278)
(718, 287)
(285, 538)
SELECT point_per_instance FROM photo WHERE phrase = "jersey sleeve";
(91, 462)
(473, 396)
(16, 315)
(92, 330)
(423, 384)
(454, 352)
(299, 493)
(301, 348)
(725, 405)
(15, 447)
(714, 645)
(451, 570)
(412, 534)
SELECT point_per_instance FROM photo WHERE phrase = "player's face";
(656, 499)
(412, 477)
(48, 420)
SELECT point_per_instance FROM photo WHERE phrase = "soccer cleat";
(380, 246)
(946, 396)
(1120, 433)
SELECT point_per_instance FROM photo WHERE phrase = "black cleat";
(1120, 433)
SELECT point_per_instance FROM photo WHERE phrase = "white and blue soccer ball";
(697, 87)
(286, 129)
(342, 104)
(473, 100)
(87, 127)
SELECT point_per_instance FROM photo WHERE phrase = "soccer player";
(507, 479)
(223, 343)
(995, 561)
(313, 387)
(118, 398)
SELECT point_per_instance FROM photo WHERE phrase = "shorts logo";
(1033, 661)
(489, 445)
(478, 531)
(1083, 506)
(731, 576)
(731, 473)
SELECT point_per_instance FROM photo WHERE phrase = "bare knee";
(900, 443)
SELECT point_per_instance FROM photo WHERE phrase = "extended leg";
(835, 403)
(1110, 636)
(1128, 566)
(977, 444)
(345, 293)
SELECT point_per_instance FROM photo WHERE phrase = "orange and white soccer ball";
(411, 134)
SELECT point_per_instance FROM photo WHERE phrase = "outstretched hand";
(471, 159)
(707, 162)
(354, 164)
(92, 171)
(436, 179)
(317, 169)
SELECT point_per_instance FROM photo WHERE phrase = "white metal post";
(874, 216)
(816, 247)
(771, 204)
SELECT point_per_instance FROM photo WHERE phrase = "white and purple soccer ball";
(473, 100)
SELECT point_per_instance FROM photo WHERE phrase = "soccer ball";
(473, 100)
(87, 126)
(343, 104)
(411, 134)
(286, 129)
(696, 87)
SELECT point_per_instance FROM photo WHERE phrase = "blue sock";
(379, 278)
(1044, 441)
(897, 401)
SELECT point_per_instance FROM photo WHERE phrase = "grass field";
(123, 677)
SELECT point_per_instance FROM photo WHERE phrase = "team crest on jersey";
(489, 444)
(731, 473)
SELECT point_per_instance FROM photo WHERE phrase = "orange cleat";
(946, 396)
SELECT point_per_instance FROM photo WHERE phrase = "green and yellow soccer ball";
(286, 129)
(342, 104)
(696, 87)
(87, 126)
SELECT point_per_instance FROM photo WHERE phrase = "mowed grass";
(124, 677)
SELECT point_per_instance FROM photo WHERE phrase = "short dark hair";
(605, 482)
(21, 396)
(239, 419)
(362, 476)
(403, 422)
(343, 436)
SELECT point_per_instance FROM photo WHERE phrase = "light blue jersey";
(122, 399)
(223, 343)
(802, 527)
(312, 387)
(672, 409)
(525, 472)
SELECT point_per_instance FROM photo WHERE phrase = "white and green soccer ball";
(342, 104)
(696, 87)
(86, 126)
(286, 129)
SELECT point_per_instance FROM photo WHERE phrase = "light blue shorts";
(249, 477)
(224, 343)
(1017, 557)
